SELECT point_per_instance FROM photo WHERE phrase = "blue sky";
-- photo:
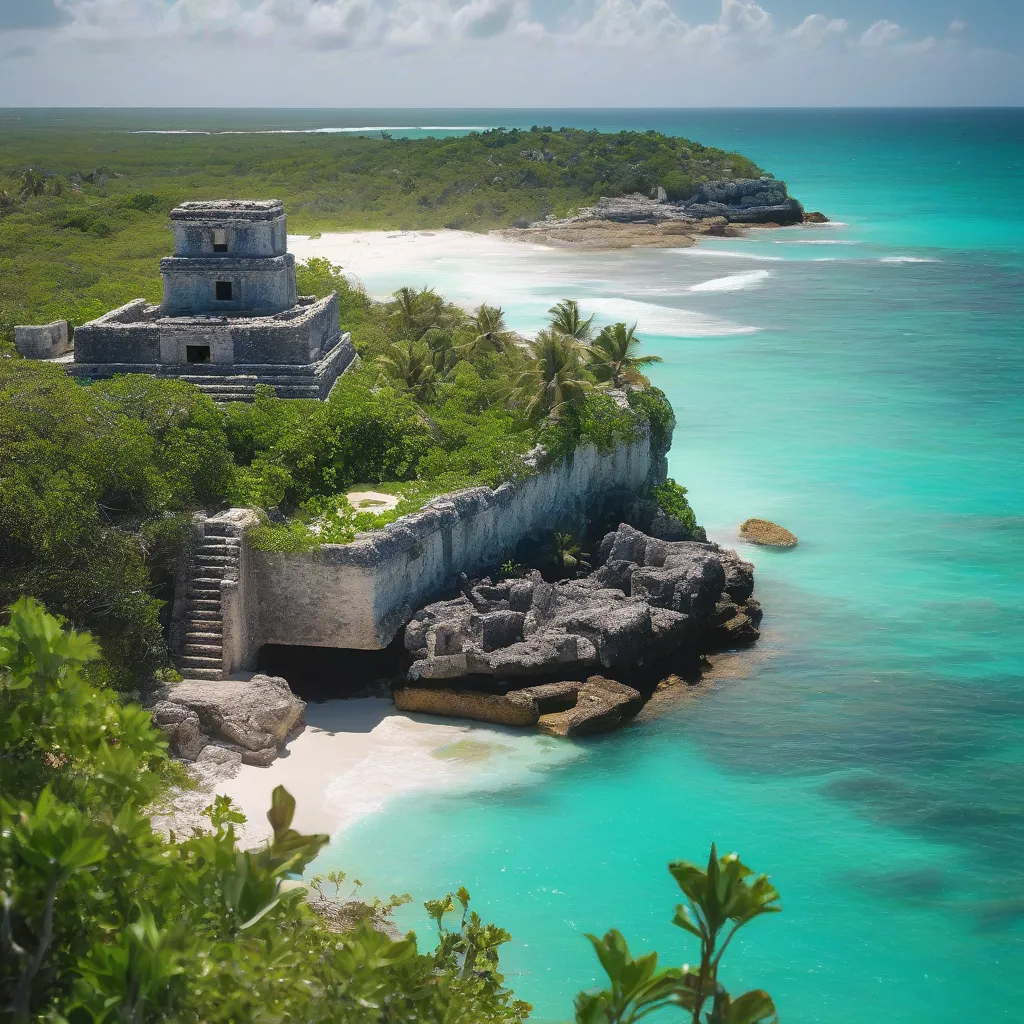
(501, 53)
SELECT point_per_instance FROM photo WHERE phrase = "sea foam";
(733, 283)
(664, 320)
(698, 250)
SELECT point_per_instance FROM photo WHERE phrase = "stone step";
(205, 615)
(201, 632)
(201, 604)
(203, 650)
(202, 673)
(202, 661)
(205, 557)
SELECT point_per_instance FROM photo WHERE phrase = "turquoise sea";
(863, 384)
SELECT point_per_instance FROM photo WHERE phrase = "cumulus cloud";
(491, 52)
(816, 30)
(419, 24)
(882, 33)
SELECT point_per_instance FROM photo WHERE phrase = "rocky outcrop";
(601, 705)
(715, 204)
(648, 599)
(515, 708)
(570, 708)
(230, 720)
(768, 534)
(746, 201)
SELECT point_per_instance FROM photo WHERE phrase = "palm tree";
(568, 553)
(612, 360)
(411, 363)
(566, 319)
(405, 312)
(488, 332)
(554, 380)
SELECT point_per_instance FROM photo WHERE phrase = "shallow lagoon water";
(861, 384)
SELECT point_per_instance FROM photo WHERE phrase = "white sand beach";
(354, 756)
(526, 279)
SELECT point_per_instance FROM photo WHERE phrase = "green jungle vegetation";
(106, 921)
(98, 483)
(102, 919)
(83, 206)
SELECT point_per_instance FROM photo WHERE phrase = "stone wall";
(45, 341)
(360, 595)
(257, 285)
(140, 334)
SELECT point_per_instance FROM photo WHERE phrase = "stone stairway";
(241, 387)
(216, 559)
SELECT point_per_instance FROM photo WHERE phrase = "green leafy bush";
(652, 404)
(105, 920)
(720, 900)
(671, 499)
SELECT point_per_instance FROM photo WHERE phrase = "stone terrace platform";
(300, 352)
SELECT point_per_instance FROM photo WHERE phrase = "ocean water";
(861, 383)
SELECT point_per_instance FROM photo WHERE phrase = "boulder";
(601, 705)
(181, 727)
(253, 716)
(768, 534)
(815, 218)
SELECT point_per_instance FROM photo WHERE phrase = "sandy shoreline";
(355, 756)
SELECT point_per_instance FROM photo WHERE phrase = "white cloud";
(956, 26)
(488, 53)
(882, 33)
(817, 30)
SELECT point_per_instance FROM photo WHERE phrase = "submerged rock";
(768, 534)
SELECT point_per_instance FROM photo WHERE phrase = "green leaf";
(259, 915)
(282, 810)
(684, 919)
(752, 1007)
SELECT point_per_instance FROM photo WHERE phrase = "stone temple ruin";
(230, 318)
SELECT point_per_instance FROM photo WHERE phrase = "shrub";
(671, 499)
(654, 406)
(106, 920)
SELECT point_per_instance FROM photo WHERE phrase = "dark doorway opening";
(197, 353)
(223, 291)
(327, 673)
(220, 240)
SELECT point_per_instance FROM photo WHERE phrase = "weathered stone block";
(43, 341)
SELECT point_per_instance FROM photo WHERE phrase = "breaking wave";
(733, 283)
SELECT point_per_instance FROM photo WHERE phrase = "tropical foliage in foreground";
(98, 483)
(106, 921)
